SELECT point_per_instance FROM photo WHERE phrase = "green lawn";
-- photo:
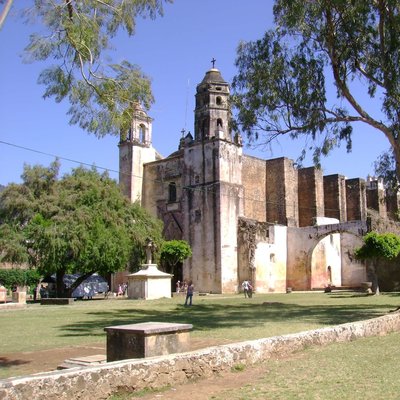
(364, 369)
(231, 318)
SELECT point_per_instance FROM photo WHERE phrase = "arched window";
(219, 101)
(142, 134)
(172, 192)
(219, 123)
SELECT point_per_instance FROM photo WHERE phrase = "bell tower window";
(219, 101)
(172, 192)
(219, 123)
(142, 134)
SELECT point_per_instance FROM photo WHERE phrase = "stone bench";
(59, 301)
(147, 339)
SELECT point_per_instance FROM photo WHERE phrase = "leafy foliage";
(281, 85)
(385, 167)
(20, 277)
(81, 223)
(175, 251)
(76, 35)
(376, 247)
(385, 245)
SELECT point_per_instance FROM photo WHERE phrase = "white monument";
(149, 283)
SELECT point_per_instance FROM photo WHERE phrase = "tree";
(174, 252)
(375, 248)
(282, 80)
(76, 36)
(81, 223)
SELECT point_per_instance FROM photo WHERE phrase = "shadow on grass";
(6, 362)
(207, 317)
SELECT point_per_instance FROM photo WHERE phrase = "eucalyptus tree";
(282, 79)
(81, 223)
(75, 40)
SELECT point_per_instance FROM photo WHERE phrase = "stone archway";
(326, 264)
(332, 261)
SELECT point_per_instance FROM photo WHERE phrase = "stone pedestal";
(19, 297)
(147, 339)
(3, 294)
(149, 283)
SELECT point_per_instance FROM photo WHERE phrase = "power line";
(56, 156)
(196, 188)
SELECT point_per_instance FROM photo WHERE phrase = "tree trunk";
(372, 275)
(396, 152)
(60, 287)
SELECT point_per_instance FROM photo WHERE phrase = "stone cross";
(149, 251)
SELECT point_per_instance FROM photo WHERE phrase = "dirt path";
(25, 363)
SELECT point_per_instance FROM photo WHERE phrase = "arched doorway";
(333, 262)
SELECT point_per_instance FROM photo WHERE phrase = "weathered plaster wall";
(326, 253)
(157, 176)
(212, 204)
(303, 241)
(102, 381)
(270, 261)
(132, 157)
(353, 271)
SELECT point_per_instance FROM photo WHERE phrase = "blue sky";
(175, 51)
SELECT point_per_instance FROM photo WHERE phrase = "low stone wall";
(58, 301)
(101, 381)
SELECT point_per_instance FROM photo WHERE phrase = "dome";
(213, 76)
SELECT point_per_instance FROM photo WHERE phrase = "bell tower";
(135, 150)
(213, 190)
(212, 111)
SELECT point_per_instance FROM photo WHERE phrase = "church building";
(244, 217)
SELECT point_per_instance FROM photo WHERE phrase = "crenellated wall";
(310, 195)
(335, 197)
(254, 184)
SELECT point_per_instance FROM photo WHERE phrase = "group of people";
(188, 288)
(247, 288)
(181, 287)
(122, 288)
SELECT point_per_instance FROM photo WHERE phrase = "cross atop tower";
(213, 62)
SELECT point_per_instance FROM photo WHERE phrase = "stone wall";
(310, 195)
(356, 199)
(335, 197)
(281, 192)
(253, 180)
(101, 381)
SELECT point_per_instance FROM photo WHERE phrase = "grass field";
(231, 318)
(364, 369)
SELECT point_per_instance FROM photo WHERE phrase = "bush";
(20, 277)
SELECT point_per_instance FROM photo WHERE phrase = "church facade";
(246, 217)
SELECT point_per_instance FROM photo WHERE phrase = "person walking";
(189, 293)
(246, 288)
